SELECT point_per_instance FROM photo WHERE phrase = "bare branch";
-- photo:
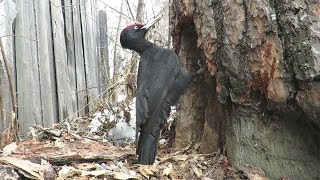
(116, 10)
(14, 123)
(128, 5)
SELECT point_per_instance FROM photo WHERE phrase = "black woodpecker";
(160, 83)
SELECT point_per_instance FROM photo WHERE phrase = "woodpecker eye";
(135, 27)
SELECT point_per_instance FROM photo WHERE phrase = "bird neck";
(142, 46)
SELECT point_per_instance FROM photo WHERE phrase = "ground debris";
(8, 172)
(62, 153)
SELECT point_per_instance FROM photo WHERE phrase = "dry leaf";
(147, 171)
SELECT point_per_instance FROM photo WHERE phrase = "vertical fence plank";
(68, 9)
(28, 90)
(56, 61)
(89, 32)
(60, 55)
(7, 7)
(51, 61)
(48, 95)
(79, 56)
(103, 60)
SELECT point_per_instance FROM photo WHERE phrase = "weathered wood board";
(88, 23)
(45, 57)
(7, 8)
(71, 63)
(52, 49)
(61, 61)
(28, 87)
(79, 57)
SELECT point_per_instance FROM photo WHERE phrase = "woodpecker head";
(133, 36)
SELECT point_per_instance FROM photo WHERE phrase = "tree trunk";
(116, 59)
(260, 96)
(132, 74)
(140, 10)
(8, 8)
(103, 51)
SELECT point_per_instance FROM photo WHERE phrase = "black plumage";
(160, 83)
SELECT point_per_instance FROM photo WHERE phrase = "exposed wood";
(262, 57)
(192, 104)
(31, 168)
(68, 151)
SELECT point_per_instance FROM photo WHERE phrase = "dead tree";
(140, 10)
(132, 74)
(103, 51)
(259, 98)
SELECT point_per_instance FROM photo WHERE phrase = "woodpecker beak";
(151, 22)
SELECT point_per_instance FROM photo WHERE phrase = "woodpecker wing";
(158, 70)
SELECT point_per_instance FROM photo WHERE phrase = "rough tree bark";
(116, 63)
(103, 51)
(140, 10)
(260, 95)
(8, 8)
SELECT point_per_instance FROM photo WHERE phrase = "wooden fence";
(52, 50)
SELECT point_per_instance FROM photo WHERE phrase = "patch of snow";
(162, 142)
(96, 122)
(123, 131)
(121, 97)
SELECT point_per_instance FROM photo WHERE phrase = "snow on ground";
(122, 132)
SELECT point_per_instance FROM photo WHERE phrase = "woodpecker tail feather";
(147, 152)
